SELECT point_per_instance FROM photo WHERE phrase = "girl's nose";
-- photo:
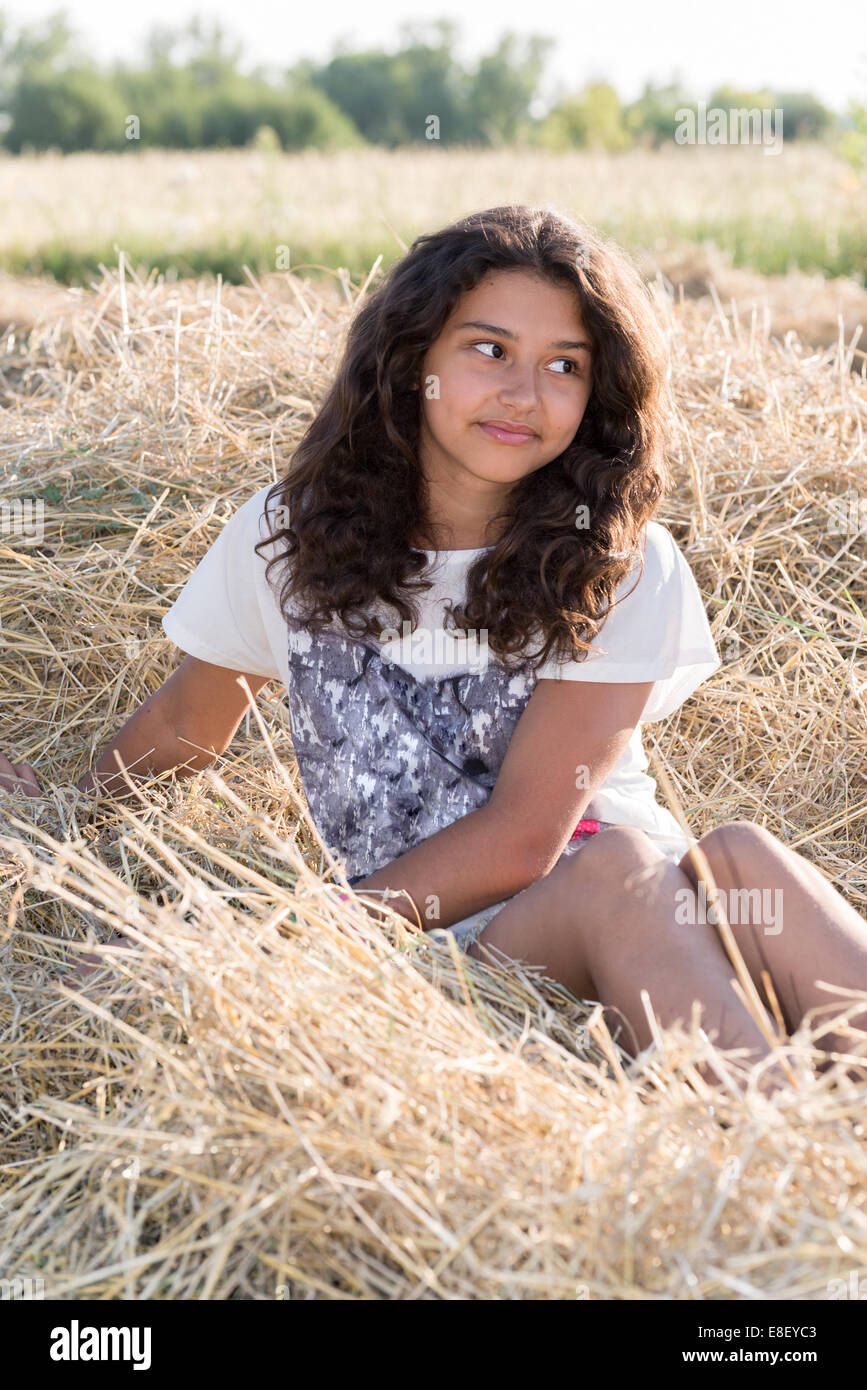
(519, 385)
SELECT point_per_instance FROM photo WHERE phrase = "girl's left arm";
(568, 739)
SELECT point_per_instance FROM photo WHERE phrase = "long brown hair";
(354, 494)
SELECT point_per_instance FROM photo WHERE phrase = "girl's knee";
(610, 871)
(601, 854)
(736, 844)
(622, 844)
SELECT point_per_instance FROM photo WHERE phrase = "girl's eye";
(484, 345)
(576, 371)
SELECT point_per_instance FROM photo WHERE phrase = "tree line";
(188, 91)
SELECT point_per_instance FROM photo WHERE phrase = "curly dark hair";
(355, 495)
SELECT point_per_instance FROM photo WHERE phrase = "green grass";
(769, 251)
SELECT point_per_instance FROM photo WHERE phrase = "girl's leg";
(603, 923)
(803, 931)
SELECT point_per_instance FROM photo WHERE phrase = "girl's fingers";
(18, 777)
(89, 962)
(8, 774)
(27, 774)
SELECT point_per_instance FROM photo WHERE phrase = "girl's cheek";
(447, 392)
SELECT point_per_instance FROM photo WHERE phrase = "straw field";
(268, 1094)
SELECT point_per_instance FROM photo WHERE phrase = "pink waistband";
(585, 827)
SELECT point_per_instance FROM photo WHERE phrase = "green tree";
(307, 118)
(504, 86)
(804, 116)
(190, 94)
(50, 44)
(162, 94)
(652, 118)
(364, 86)
(592, 119)
(429, 81)
(727, 98)
(76, 109)
(389, 96)
(214, 57)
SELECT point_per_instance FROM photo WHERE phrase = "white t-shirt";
(397, 739)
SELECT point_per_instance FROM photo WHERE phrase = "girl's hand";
(18, 777)
(88, 962)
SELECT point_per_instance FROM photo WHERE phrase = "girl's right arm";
(200, 704)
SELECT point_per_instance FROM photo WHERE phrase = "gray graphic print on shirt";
(386, 758)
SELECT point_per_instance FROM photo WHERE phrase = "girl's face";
(513, 352)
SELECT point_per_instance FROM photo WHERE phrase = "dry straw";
(266, 1093)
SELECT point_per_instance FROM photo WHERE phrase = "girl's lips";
(507, 436)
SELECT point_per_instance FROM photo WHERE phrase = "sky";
(793, 45)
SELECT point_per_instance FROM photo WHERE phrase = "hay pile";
(270, 1096)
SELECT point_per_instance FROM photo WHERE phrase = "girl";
(493, 446)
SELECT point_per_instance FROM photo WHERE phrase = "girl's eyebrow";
(504, 333)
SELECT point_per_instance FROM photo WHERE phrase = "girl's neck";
(451, 542)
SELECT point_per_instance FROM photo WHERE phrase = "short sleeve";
(659, 632)
(220, 615)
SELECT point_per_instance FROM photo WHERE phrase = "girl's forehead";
(509, 280)
(500, 293)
